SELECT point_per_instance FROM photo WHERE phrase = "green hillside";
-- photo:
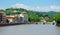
(33, 15)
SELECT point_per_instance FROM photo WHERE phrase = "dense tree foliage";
(57, 17)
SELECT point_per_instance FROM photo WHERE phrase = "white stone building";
(21, 18)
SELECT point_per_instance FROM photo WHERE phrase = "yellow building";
(10, 18)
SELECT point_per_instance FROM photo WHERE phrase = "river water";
(32, 29)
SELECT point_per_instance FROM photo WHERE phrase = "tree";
(34, 18)
(57, 17)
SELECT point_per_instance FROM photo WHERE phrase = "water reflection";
(34, 29)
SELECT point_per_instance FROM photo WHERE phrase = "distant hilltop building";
(3, 17)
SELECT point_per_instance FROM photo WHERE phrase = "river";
(32, 29)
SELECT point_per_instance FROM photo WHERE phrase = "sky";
(36, 5)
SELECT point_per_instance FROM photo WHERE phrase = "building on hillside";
(3, 17)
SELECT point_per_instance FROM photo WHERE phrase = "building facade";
(10, 18)
(21, 18)
(24, 18)
(3, 17)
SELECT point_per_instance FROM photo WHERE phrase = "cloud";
(37, 8)
(2, 8)
(20, 6)
(55, 8)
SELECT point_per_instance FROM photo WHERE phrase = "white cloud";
(37, 8)
(2, 8)
(20, 6)
(55, 8)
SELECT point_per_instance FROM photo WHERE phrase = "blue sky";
(31, 4)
